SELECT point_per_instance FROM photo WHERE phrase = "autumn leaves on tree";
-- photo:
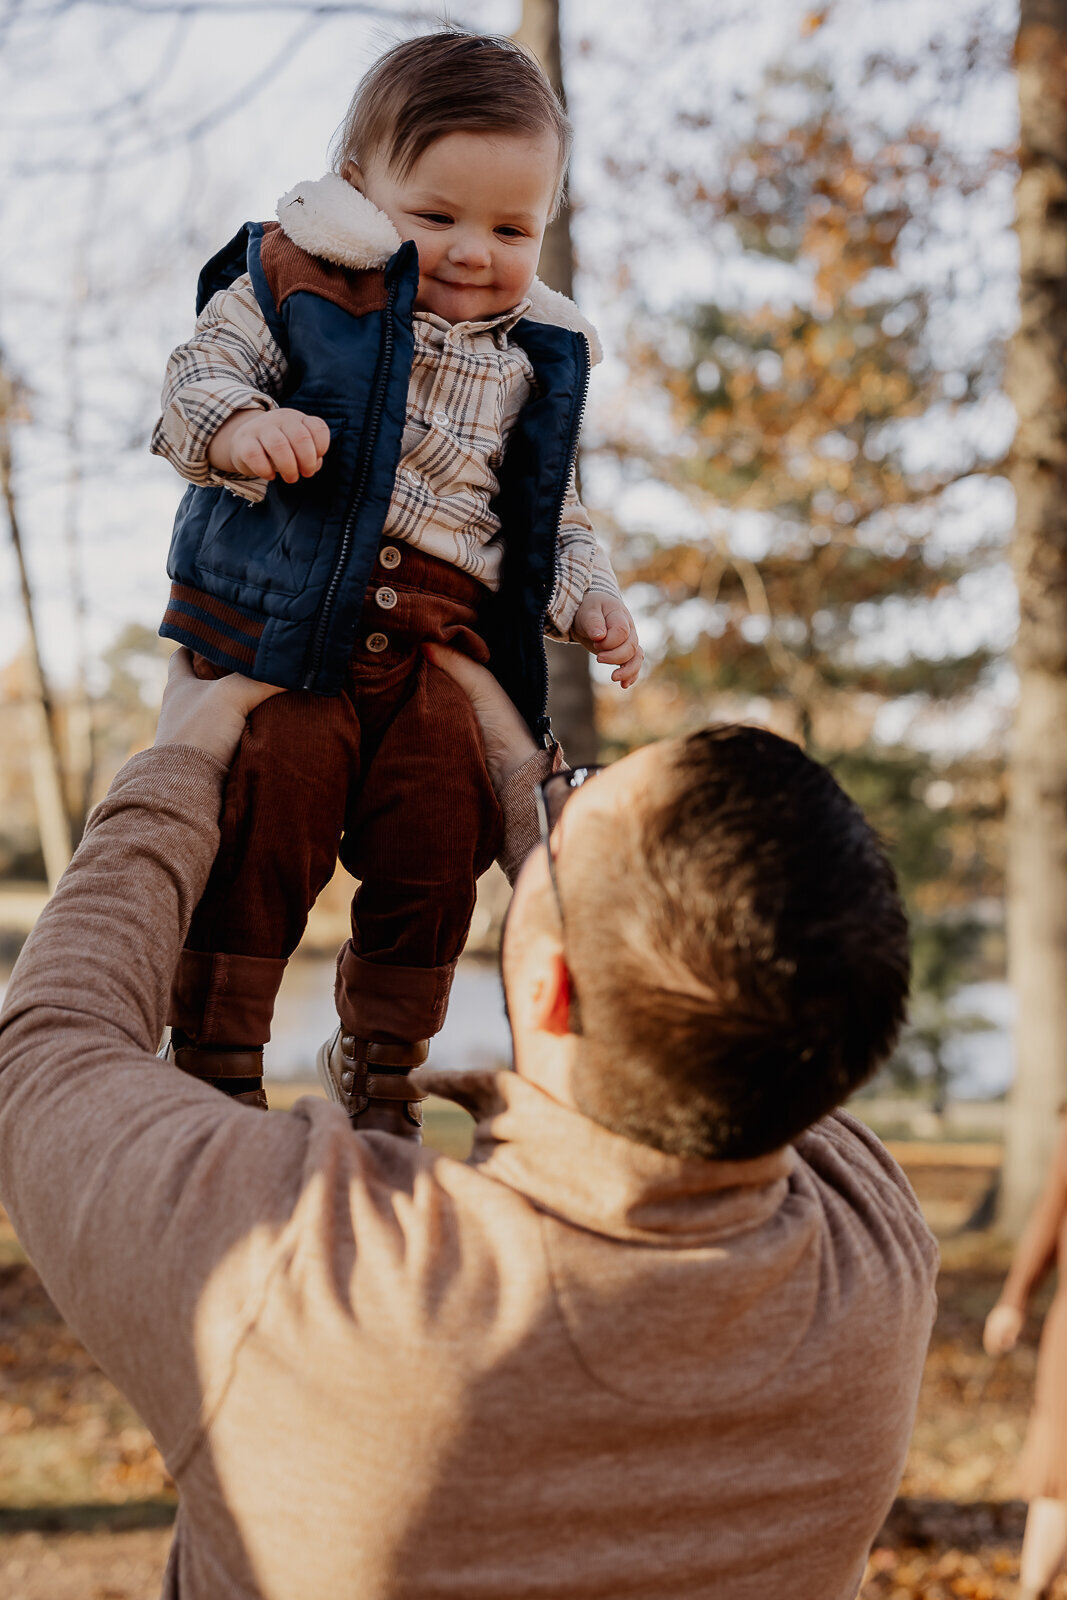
(820, 439)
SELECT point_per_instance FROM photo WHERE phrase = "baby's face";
(476, 206)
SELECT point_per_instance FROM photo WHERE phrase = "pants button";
(386, 598)
(389, 556)
(377, 642)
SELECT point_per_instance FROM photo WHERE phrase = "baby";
(378, 413)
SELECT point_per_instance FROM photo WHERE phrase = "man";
(654, 1339)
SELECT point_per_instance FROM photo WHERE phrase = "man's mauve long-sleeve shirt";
(569, 1367)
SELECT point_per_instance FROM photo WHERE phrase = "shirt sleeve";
(582, 567)
(128, 1181)
(521, 831)
(231, 363)
(159, 1213)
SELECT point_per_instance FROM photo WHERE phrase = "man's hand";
(207, 713)
(1002, 1329)
(265, 444)
(508, 741)
(607, 630)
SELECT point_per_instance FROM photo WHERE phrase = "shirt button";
(389, 556)
(442, 418)
(377, 642)
(412, 477)
(386, 598)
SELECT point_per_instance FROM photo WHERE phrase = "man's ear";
(550, 1002)
(352, 173)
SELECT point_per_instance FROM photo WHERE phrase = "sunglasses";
(550, 797)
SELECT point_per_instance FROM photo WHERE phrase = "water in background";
(475, 1033)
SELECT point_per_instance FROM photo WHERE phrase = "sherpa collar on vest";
(327, 217)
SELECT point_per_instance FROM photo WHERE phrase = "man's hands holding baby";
(606, 629)
(207, 714)
(267, 444)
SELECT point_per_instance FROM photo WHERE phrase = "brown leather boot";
(378, 1084)
(238, 1073)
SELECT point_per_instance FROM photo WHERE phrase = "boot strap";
(201, 1062)
(390, 1057)
(360, 1085)
(394, 1087)
(398, 1082)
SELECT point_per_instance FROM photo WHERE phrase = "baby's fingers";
(320, 434)
(618, 626)
(304, 441)
(616, 635)
(628, 673)
(621, 653)
(589, 624)
(281, 454)
(253, 461)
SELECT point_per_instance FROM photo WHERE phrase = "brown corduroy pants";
(390, 776)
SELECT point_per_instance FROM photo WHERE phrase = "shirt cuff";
(582, 571)
(572, 584)
(184, 433)
(521, 831)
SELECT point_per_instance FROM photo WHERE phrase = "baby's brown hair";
(449, 82)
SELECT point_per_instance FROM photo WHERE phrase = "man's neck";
(548, 1061)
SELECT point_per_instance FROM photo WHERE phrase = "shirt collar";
(499, 326)
(579, 1171)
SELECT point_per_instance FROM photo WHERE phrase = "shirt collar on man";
(573, 1168)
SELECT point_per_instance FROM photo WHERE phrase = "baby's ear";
(352, 173)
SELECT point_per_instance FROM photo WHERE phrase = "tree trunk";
(1037, 818)
(570, 696)
(79, 706)
(46, 767)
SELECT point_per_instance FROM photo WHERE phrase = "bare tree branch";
(192, 8)
(131, 100)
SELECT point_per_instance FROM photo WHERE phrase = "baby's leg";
(282, 816)
(426, 825)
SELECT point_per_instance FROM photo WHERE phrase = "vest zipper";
(543, 729)
(370, 436)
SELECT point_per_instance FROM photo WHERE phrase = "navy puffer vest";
(275, 589)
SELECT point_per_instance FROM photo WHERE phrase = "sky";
(134, 141)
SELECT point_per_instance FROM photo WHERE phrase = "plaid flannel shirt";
(468, 385)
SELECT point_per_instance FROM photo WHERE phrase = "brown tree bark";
(46, 766)
(570, 697)
(1037, 819)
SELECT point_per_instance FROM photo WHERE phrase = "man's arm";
(516, 763)
(127, 1180)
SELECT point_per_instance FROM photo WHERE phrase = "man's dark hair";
(738, 947)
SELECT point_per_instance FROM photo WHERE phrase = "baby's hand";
(607, 630)
(265, 444)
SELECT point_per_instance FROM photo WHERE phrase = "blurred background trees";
(840, 513)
